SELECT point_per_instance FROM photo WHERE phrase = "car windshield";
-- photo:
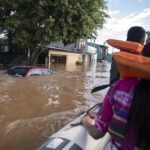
(18, 71)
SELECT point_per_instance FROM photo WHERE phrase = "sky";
(123, 15)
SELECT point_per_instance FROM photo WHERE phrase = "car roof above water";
(26, 67)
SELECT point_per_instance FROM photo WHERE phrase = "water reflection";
(66, 67)
(30, 107)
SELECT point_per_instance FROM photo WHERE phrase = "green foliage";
(79, 62)
(34, 22)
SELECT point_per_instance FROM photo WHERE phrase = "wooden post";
(46, 62)
(49, 60)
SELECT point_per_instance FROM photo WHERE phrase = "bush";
(79, 62)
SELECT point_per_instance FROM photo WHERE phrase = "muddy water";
(31, 109)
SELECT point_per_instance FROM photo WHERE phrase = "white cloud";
(144, 14)
(140, 0)
(118, 25)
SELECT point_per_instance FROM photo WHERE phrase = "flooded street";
(33, 108)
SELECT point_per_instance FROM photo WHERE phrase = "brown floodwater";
(33, 108)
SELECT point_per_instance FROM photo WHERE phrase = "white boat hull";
(74, 138)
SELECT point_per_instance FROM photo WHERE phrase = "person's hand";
(92, 114)
(90, 126)
(87, 121)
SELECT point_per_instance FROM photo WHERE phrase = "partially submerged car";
(25, 71)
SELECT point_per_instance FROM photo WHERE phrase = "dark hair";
(146, 50)
(136, 34)
(139, 113)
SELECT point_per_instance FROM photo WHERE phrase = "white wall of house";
(90, 49)
(94, 57)
(90, 54)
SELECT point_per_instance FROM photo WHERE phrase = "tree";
(30, 23)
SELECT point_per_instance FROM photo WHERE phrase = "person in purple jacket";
(125, 114)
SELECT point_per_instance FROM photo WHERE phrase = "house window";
(4, 48)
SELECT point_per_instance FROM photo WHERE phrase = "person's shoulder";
(115, 85)
(119, 82)
(127, 82)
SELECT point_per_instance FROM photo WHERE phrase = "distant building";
(89, 52)
(73, 46)
(101, 50)
(57, 55)
(69, 54)
(56, 52)
(4, 46)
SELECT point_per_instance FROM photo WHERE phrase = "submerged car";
(25, 71)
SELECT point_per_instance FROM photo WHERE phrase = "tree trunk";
(34, 55)
(10, 40)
